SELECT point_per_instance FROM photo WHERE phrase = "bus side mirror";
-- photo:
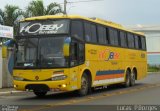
(66, 50)
(4, 52)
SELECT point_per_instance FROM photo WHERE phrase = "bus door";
(76, 60)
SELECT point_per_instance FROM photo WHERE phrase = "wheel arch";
(127, 69)
(88, 72)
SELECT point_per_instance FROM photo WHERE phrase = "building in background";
(6, 33)
(152, 33)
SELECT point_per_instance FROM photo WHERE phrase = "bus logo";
(44, 29)
(108, 55)
(36, 78)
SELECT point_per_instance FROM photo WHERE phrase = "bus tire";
(128, 79)
(133, 78)
(40, 93)
(85, 85)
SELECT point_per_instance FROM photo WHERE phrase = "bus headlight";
(60, 77)
(18, 78)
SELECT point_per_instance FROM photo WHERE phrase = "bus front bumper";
(62, 85)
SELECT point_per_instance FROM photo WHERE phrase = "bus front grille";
(37, 87)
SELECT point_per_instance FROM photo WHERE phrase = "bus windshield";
(46, 52)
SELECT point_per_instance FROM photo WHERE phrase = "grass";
(153, 69)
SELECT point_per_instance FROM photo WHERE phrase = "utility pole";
(65, 7)
(65, 4)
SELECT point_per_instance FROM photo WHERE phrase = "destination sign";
(44, 27)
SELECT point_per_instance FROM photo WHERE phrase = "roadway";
(145, 92)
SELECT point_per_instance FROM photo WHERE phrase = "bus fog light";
(15, 86)
(64, 85)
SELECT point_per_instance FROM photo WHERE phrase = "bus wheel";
(40, 93)
(133, 78)
(128, 79)
(84, 85)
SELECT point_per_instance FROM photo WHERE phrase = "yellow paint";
(66, 50)
(96, 59)
(4, 52)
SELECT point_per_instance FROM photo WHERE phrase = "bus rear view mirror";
(4, 52)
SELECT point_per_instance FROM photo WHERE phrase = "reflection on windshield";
(26, 55)
(41, 52)
(51, 52)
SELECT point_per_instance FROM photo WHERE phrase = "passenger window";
(139, 42)
(123, 39)
(136, 42)
(102, 35)
(113, 35)
(87, 32)
(143, 41)
(93, 33)
(130, 40)
(90, 32)
(77, 29)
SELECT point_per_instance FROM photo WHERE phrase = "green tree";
(37, 8)
(1, 16)
(11, 14)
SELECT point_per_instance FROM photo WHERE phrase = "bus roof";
(95, 20)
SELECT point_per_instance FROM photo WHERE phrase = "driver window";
(74, 54)
(77, 53)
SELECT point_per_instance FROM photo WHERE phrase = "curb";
(10, 92)
(153, 72)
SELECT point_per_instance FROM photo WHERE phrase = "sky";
(126, 12)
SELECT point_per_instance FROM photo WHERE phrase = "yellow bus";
(75, 53)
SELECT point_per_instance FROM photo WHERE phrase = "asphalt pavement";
(145, 92)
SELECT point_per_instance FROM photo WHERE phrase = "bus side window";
(143, 41)
(123, 39)
(74, 54)
(90, 32)
(87, 31)
(113, 35)
(81, 53)
(102, 35)
(77, 29)
(136, 42)
(93, 33)
(77, 53)
(130, 40)
(107, 34)
(139, 42)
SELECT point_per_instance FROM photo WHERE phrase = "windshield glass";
(44, 52)
(51, 52)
